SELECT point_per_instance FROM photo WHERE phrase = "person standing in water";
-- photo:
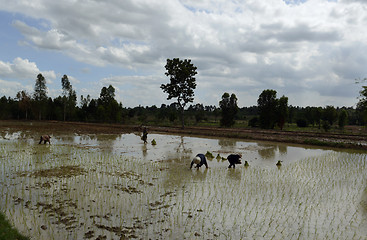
(145, 135)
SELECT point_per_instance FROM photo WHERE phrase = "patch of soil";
(61, 172)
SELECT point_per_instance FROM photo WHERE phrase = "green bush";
(302, 123)
(254, 122)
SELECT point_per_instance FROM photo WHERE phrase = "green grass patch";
(7, 232)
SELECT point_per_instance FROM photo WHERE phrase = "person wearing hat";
(199, 160)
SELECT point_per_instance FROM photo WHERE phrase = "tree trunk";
(64, 112)
(182, 118)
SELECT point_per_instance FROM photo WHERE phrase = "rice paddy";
(116, 187)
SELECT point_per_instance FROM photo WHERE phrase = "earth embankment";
(354, 138)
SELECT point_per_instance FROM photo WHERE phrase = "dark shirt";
(234, 159)
(202, 162)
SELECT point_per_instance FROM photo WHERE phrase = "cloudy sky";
(311, 51)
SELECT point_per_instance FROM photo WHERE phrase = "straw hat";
(196, 160)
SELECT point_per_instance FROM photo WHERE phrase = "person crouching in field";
(234, 159)
(199, 160)
(45, 139)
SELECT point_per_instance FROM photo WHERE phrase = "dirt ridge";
(355, 140)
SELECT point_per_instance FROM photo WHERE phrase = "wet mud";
(113, 186)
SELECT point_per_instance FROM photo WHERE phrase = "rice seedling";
(72, 191)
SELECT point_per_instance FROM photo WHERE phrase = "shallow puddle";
(117, 187)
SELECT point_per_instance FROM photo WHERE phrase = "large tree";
(107, 95)
(282, 111)
(182, 82)
(362, 104)
(267, 104)
(108, 108)
(272, 110)
(40, 94)
(24, 101)
(69, 96)
(343, 118)
(329, 114)
(229, 109)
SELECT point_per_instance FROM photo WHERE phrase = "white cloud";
(23, 69)
(246, 46)
(21, 75)
(8, 86)
(137, 90)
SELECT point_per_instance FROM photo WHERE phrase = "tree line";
(38, 106)
(271, 112)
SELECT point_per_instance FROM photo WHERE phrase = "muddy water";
(181, 149)
(114, 186)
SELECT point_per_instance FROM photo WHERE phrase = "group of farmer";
(199, 159)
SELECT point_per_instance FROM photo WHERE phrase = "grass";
(7, 232)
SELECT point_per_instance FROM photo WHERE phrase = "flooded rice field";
(117, 187)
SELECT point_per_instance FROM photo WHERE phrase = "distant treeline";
(108, 110)
(269, 113)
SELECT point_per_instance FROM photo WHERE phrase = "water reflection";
(234, 175)
(282, 149)
(179, 149)
(183, 153)
(181, 146)
(199, 175)
(267, 152)
(227, 143)
(144, 150)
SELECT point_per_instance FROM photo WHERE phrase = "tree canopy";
(229, 108)
(182, 82)
(40, 89)
(40, 95)
(267, 103)
(69, 98)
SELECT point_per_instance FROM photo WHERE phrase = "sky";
(311, 51)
